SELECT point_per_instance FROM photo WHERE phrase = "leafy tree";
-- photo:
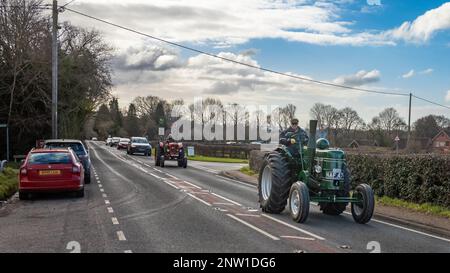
(132, 122)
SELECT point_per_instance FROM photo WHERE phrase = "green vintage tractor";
(297, 175)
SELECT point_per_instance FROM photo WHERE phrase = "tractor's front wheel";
(299, 202)
(274, 183)
(362, 211)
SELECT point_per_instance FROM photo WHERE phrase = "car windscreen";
(76, 146)
(140, 140)
(50, 158)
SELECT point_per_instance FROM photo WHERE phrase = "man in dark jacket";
(293, 129)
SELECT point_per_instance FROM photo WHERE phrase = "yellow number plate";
(50, 172)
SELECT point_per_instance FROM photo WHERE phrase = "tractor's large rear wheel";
(274, 183)
(362, 211)
(338, 208)
(299, 202)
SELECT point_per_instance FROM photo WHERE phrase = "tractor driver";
(170, 139)
(293, 129)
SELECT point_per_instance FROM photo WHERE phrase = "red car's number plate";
(50, 172)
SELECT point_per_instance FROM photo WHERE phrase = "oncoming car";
(139, 145)
(51, 170)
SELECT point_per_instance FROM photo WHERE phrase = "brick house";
(441, 142)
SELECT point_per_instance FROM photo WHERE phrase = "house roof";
(438, 134)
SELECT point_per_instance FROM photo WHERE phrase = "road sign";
(397, 138)
(161, 131)
(191, 151)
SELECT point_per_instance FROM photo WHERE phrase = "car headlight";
(318, 169)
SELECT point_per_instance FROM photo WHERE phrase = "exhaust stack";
(312, 143)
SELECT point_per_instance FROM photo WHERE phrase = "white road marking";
(114, 221)
(154, 175)
(222, 203)
(104, 195)
(102, 190)
(224, 198)
(121, 236)
(128, 251)
(170, 184)
(408, 229)
(193, 185)
(253, 227)
(293, 227)
(249, 215)
(100, 185)
(298, 237)
(110, 210)
(198, 199)
(107, 202)
(169, 175)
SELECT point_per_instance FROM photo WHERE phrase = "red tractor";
(167, 150)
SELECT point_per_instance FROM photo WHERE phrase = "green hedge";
(415, 178)
(8, 183)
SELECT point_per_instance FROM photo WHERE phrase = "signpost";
(397, 139)
(161, 131)
(7, 139)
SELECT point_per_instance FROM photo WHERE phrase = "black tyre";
(274, 182)
(80, 193)
(362, 212)
(299, 202)
(338, 208)
(24, 196)
(87, 179)
(180, 163)
(161, 161)
(185, 162)
(157, 157)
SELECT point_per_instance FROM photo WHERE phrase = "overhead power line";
(250, 65)
(237, 62)
(432, 102)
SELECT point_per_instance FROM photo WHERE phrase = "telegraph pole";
(55, 71)
(409, 119)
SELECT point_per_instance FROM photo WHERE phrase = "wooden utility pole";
(55, 71)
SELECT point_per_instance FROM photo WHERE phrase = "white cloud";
(423, 27)
(409, 74)
(447, 98)
(426, 71)
(360, 78)
(374, 2)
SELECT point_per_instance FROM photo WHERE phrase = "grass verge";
(217, 159)
(9, 183)
(424, 208)
(246, 170)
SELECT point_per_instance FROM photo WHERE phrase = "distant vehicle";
(51, 170)
(94, 139)
(108, 141)
(114, 141)
(139, 145)
(231, 142)
(256, 142)
(79, 149)
(123, 143)
(167, 150)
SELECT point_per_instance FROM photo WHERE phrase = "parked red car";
(51, 170)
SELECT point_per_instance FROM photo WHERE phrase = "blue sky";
(400, 46)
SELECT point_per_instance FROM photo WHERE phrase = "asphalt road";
(133, 206)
